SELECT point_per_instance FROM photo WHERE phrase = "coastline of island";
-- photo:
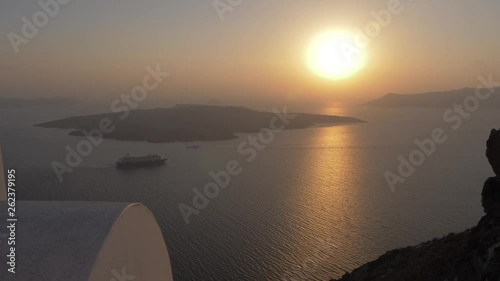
(188, 123)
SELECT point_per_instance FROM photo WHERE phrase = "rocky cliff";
(471, 255)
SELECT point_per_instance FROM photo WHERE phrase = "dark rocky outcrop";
(484, 242)
(491, 197)
(493, 151)
(471, 255)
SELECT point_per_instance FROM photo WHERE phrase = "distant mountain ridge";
(433, 99)
(6, 103)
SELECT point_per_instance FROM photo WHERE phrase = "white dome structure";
(85, 241)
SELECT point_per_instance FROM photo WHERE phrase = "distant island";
(7, 103)
(186, 123)
(432, 99)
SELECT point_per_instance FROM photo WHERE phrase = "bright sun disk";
(333, 55)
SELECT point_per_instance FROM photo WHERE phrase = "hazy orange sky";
(255, 56)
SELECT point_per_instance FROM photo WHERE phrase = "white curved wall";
(134, 247)
(82, 241)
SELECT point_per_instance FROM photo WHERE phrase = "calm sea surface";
(314, 202)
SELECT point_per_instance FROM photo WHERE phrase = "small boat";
(193, 146)
(142, 161)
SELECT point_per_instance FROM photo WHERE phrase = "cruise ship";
(142, 161)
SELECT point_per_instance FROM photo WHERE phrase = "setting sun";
(333, 55)
(246, 140)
